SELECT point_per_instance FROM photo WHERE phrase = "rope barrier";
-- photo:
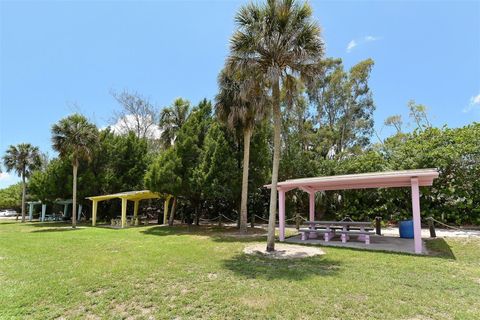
(295, 218)
(261, 218)
(228, 218)
(444, 224)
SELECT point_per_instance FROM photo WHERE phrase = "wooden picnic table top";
(340, 223)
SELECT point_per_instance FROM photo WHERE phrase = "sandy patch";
(254, 302)
(284, 251)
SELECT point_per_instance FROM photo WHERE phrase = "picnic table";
(362, 229)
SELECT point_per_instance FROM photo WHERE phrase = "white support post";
(30, 211)
(79, 212)
(65, 210)
(281, 214)
(44, 209)
(417, 227)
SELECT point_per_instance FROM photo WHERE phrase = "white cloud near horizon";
(356, 42)
(474, 103)
(7, 179)
(5, 176)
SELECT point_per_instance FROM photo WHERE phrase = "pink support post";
(281, 214)
(311, 217)
(312, 206)
(417, 227)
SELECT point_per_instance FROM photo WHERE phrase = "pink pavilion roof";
(386, 179)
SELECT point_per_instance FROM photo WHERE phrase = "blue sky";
(61, 57)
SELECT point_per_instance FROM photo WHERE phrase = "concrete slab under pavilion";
(377, 243)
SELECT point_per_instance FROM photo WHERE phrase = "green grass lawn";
(178, 273)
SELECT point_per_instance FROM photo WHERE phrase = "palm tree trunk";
(74, 202)
(277, 123)
(24, 187)
(247, 134)
(172, 212)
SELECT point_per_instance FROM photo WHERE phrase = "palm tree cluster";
(276, 45)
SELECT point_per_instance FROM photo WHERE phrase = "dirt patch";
(284, 251)
(95, 292)
(132, 310)
(255, 302)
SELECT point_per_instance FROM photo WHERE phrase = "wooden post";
(431, 227)
(124, 212)
(298, 220)
(94, 212)
(378, 225)
(165, 209)
(417, 227)
(281, 214)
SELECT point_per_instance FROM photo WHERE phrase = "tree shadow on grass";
(439, 248)
(257, 266)
(56, 224)
(220, 234)
(59, 229)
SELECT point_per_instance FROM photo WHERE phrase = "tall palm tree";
(74, 137)
(240, 103)
(23, 159)
(280, 39)
(172, 119)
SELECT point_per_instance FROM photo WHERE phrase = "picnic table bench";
(329, 229)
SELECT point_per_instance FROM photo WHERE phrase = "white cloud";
(371, 38)
(356, 42)
(352, 44)
(4, 176)
(130, 122)
(474, 103)
(475, 100)
(7, 179)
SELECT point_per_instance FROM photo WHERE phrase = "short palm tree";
(282, 41)
(240, 103)
(74, 137)
(23, 159)
(172, 119)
